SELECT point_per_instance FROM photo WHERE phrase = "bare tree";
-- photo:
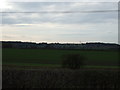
(72, 61)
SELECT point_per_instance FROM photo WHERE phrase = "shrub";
(72, 61)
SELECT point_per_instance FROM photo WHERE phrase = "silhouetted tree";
(72, 61)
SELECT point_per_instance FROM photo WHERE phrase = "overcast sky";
(60, 22)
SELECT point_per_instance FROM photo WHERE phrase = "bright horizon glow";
(59, 42)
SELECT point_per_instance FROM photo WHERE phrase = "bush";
(72, 61)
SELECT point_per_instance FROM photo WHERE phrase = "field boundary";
(55, 66)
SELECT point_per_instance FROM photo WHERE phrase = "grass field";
(48, 57)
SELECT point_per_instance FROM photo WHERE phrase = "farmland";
(53, 57)
(61, 78)
(40, 68)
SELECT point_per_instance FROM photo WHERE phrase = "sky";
(63, 22)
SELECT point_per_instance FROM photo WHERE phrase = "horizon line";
(61, 42)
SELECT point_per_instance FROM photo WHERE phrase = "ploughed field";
(53, 58)
(61, 78)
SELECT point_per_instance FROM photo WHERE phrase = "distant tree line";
(88, 46)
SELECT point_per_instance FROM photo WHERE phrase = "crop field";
(49, 57)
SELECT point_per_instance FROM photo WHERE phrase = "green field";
(44, 57)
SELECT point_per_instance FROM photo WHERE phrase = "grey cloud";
(37, 6)
(62, 18)
(73, 35)
(60, 6)
(65, 19)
